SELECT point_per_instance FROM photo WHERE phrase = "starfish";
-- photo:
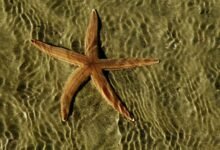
(90, 65)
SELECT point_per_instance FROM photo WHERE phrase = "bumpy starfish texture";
(90, 65)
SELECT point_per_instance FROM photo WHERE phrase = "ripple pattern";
(176, 103)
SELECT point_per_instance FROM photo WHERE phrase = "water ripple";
(175, 103)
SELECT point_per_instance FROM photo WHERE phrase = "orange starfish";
(90, 65)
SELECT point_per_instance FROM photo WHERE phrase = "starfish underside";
(90, 65)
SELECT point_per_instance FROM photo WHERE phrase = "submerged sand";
(176, 103)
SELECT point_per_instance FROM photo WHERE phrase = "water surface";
(176, 103)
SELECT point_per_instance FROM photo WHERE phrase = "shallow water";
(176, 103)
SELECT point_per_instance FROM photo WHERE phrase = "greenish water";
(176, 103)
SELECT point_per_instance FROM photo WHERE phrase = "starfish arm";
(74, 81)
(124, 63)
(107, 92)
(91, 38)
(60, 53)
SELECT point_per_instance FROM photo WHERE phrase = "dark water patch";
(22, 87)
(12, 144)
(31, 147)
(139, 3)
(14, 129)
(2, 129)
(40, 145)
(2, 81)
(76, 46)
(217, 83)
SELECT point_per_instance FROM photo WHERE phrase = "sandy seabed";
(176, 103)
